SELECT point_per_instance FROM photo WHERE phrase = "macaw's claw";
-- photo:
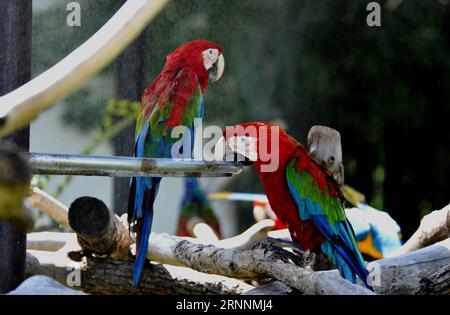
(298, 256)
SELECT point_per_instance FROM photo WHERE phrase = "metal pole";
(15, 70)
(113, 166)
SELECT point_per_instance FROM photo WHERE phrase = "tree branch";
(434, 227)
(44, 202)
(107, 276)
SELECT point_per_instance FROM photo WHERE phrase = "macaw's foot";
(275, 247)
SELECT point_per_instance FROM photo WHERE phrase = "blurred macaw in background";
(377, 233)
(196, 208)
(304, 195)
(174, 98)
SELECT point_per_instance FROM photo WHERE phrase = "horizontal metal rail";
(112, 166)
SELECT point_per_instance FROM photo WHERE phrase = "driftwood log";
(99, 230)
(396, 275)
(434, 227)
(107, 276)
(437, 284)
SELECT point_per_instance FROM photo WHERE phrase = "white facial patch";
(210, 56)
(246, 146)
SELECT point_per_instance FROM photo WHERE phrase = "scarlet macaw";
(173, 99)
(195, 208)
(303, 194)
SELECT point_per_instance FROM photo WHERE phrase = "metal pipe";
(114, 166)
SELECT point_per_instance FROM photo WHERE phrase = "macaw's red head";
(203, 56)
(265, 144)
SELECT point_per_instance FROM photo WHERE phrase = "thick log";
(106, 276)
(436, 284)
(404, 274)
(99, 230)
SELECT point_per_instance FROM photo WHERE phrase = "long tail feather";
(142, 245)
(146, 190)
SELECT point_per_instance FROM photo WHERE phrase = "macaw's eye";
(211, 52)
(331, 159)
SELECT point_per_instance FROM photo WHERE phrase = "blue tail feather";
(146, 190)
(142, 246)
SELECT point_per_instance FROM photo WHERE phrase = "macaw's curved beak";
(216, 70)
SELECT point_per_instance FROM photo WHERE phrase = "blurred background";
(298, 62)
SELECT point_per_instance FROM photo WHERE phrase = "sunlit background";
(297, 62)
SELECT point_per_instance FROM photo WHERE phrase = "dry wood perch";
(99, 230)
(396, 275)
(44, 202)
(92, 215)
(434, 227)
(107, 276)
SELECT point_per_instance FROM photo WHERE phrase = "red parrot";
(303, 194)
(175, 98)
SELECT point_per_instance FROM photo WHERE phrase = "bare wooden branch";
(246, 264)
(404, 274)
(436, 284)
(106, 276)
(50, 241)
(248, 238)
(98, 233)
(434, 227)
(396, 275)
(22, 105)
(39, 199)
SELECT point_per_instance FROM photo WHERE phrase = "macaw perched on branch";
(195, 208)
(175, 98)
(303, 194)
